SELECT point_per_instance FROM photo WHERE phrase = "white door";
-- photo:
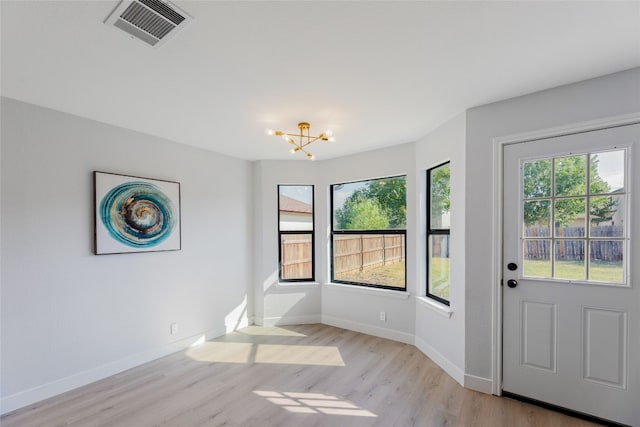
(571, 275)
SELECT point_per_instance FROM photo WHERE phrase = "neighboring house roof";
(287, 204)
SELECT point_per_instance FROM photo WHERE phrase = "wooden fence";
(296, 253)
(572, 247)
(358, 252)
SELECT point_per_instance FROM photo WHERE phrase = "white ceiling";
(377, 73)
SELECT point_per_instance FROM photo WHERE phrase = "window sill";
(441, 309)
(297, 285)
(366, 290)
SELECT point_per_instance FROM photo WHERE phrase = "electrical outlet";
(383, 316)
(173, 328)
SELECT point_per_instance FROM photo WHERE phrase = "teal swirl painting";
(135, 215)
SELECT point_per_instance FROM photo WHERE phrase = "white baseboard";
(62, 385)
(286, 320)
(376, 331)
(483, 385)
(36, 394)
(449, 367)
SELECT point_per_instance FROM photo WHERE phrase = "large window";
(368, 228)
(438, 231)
(295, 233)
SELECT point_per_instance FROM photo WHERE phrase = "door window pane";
(606, 216)
(537, 218)
(569, 260)
(571, 176)
(606, 261)
(537, 258)
(607, 172)
(537, 179)
(570, 217)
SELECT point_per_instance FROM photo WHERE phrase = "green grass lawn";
(600, 271)
(440, 275)
(394, 275)
(387, 275)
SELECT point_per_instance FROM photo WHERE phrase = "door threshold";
(566, 411)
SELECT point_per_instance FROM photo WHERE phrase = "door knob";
(512, 283)
(512, 266)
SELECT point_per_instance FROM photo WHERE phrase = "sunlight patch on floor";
(313, 403)
(235, 352)
(299, 355)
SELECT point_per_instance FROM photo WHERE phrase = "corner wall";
(355, 307)
(275, 303)
(440, 330)
(70, 317)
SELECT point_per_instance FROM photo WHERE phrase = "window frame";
(334, 232)
(311, 232)
(587, 239)
(435, 232)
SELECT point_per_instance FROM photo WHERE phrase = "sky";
(303, 193)
(611, 168)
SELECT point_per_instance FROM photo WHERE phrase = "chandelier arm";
(306, 152)
(311, 140)
(293, 142)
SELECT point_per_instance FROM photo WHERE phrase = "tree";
(392, 195)
(383, 200)
(440, 194)
(570, 180)
(361, 213)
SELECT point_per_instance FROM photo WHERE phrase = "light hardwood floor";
(306, 375)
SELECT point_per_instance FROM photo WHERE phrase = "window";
(368, 233)
(438, 231)
(573, 217)
(295, 233)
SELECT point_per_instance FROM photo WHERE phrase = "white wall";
(70, 317)
(608, 96)
(347, 306)
(277, 303)
(359, 308)
(440, 330)
(92, 316)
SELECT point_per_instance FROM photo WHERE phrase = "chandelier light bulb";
(270, 131)
(292, 151)
(332, 139)
(329, 132)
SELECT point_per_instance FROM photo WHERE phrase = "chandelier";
(302, 139)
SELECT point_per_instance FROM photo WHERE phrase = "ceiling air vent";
(152, 21)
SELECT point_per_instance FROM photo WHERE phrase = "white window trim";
(387, 293)
(433, 305)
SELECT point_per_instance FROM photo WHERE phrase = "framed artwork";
(134, 214)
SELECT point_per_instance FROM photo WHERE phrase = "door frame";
(499, 143)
